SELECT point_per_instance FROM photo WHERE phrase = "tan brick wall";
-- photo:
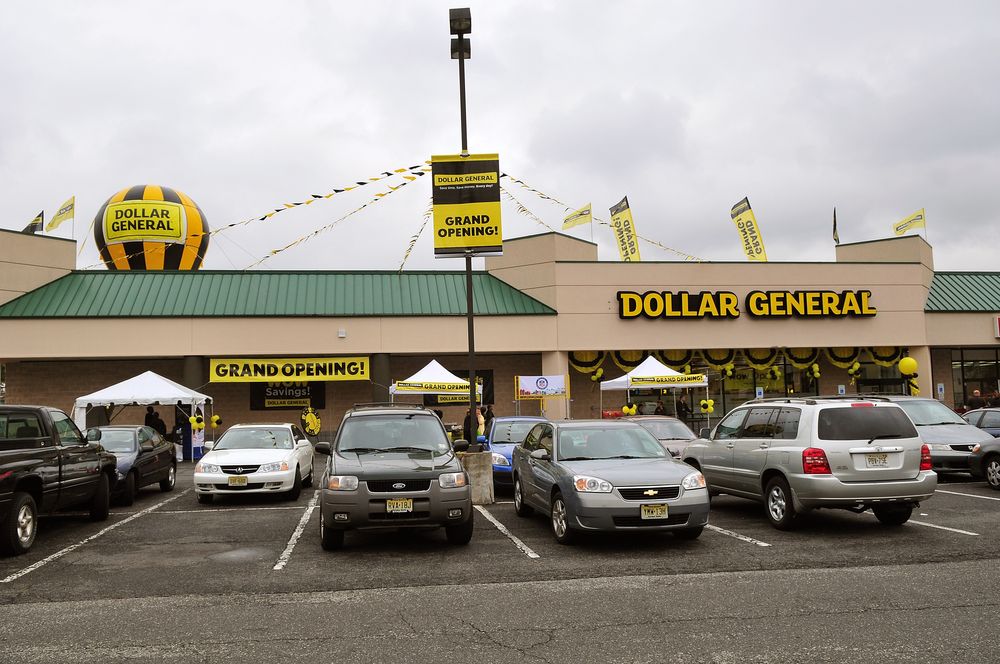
(941, 372)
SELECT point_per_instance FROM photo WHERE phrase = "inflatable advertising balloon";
(148, 227)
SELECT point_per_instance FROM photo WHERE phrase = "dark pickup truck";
(46, 464)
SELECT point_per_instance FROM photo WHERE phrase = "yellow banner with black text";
(466, 202)
(264, 370)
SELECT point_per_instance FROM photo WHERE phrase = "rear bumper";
(811, 491)
(611, 512)
(365, 510)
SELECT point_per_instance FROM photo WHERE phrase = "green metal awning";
(98, 294)
(964, 292)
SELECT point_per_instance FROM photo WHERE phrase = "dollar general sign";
(466, 196)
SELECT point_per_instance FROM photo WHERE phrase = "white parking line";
(525, 549)
(970, 495)
(287, 553)
(951, 530)
(222, 509)
(742, 538)
(73, 547)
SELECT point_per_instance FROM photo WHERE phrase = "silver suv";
(799, 454)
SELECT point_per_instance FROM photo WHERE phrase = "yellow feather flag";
(915, 220)
(746, 224)
(65, 212)
(582, 216)
(624, 227)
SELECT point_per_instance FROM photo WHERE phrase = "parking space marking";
(223, 509)
(74, 547)
(952, 530)
(729, 533)
(525, 549)
(287, 553)
(970, 495)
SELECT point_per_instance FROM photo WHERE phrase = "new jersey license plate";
(238, 480)
(876, 460)
(399, 505)
(654, 512)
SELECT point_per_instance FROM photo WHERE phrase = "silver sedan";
(590, 475)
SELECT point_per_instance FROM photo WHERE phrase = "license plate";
(877, 460)
(654, 511)
(239, 480)
(399, 505)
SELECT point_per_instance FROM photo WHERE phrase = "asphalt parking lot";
(201, 565)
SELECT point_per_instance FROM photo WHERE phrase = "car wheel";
(170, 482)
(778, 504)
(20, 525)
(560, 521)
(992, 467)
(101, 502)
(460, 534)
(519, 507)
(689, 533)
(205, 498)
(296, 487)
(894, 515)
(128, 492)
(330, 538)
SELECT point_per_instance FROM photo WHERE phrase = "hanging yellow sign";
(466, 199)
(746, 224)
(624, 227)
(266, 370)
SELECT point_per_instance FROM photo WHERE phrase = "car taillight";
(814, 462)
(925, 458)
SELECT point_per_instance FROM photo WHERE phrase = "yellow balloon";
(908, 366)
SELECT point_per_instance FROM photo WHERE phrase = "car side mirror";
(146, 446)
(323, 447)
(460, 445)
(541, 454)
(208, 445)
(93, 435)
(705, 432)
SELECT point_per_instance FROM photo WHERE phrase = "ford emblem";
(398, 485)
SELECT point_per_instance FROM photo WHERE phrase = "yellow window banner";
(465, 192)
(578, 217)
(624, 227)
(746, 224)
(915, 220)
(266, 370)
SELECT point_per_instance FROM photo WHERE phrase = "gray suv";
(392, 466)
(799, 454)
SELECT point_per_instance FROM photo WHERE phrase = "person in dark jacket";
(683, 409)
(150, 417)
(159, 425)
(976, 401)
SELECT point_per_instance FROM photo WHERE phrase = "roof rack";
(812, 400)
(387, 404)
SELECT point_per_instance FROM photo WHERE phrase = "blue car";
(504, 434)
(144, 457)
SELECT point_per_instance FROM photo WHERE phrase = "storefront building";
(547, 306)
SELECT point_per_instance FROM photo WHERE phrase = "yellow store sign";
(257, 370)
(466, 201)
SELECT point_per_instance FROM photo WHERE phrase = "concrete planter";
(479, 466)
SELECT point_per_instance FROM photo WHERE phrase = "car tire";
(893, 515)
(778, 504)
(100, 504)
(461, 534)
(296, 490)
(688, 534)
(205, 498)
(20, 525)
(330, 538)
(520, 508)
(170, 481)
(128, 490)
(992, 467)
(559, 518)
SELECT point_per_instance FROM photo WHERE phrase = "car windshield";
(412, 432)
(864, 423)
(668, 429)
(118, 440)
(928, 412)
(511, 432)
(255, 438)
(608, 443)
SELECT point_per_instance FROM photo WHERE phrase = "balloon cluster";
(216, 421)
(687, 368)
(728, 369)
(813, 371)
(854, 371)
(773, 373)
(707, 406)
(197, 422)
(908, 369)
(596, 376)
(630, 409)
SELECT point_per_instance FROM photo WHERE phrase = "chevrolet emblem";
(650, 492)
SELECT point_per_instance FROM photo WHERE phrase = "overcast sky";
(877, 108)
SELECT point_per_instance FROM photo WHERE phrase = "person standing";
(976, 401)
(683, 409)
(150, 417)
(488, 417)
(158, 424)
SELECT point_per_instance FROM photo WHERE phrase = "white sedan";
(256, 458)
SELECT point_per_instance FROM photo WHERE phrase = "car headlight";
(591, 484)
(977, 447)
(940, 448)
(342, 482)
(500, 460)
(206, 468)
(694, 481)
(273, 467)
(452, 480)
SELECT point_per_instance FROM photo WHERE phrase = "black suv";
(392, 466)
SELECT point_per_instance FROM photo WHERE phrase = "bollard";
(479, 466)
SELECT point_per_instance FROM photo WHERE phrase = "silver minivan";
(800, 454)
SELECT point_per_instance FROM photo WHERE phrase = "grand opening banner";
(466, 200)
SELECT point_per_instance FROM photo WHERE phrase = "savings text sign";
(466, 195)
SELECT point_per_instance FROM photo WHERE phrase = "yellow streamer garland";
(523, 210)
(843, 357)
(760, 359)
(628, 359)
(413, 239)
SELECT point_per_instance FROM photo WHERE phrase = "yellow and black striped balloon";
(184, 253)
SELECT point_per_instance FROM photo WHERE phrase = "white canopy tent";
(653, 373)
(432, 379)
(146, 389)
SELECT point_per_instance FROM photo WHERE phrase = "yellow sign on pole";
(466, 199)
(624, 227)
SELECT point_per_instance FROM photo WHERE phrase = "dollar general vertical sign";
(466, 194)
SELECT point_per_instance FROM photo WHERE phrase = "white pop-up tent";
(432, 379)
(146, 389)
(653, 373)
